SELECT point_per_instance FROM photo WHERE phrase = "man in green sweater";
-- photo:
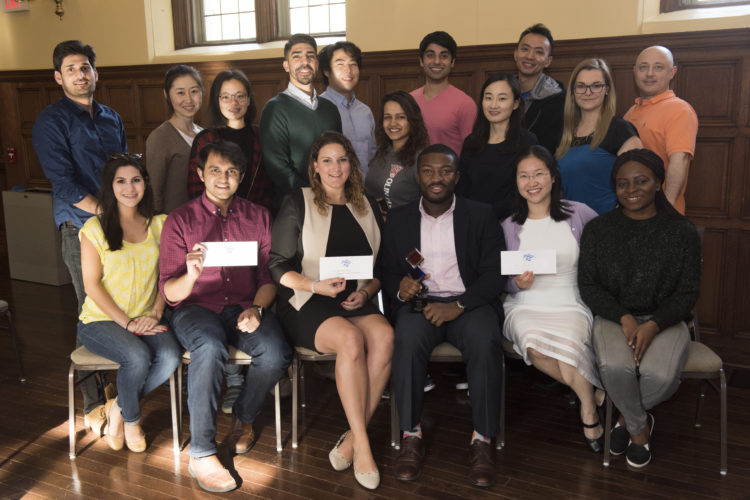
(293, 119)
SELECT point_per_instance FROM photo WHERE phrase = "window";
(211, 22)
(672, 5)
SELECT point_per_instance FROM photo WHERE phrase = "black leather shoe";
(481, 464)
(408, 465)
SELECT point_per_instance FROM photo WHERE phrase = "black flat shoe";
(596, 444)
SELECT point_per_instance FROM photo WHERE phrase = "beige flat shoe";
(338, 462)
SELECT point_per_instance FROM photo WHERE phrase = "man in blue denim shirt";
(72, 139)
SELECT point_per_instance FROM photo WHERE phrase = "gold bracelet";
(367, 295)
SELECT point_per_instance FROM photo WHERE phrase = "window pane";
(247, 26)
(319, 19)
(211, 7)
(230, 27)
(213, 28)
(247, 5)
(298, 20)
(318, 2)
(297, 3)
(228, 6)
(338, 18)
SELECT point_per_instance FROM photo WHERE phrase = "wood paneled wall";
(713, 75)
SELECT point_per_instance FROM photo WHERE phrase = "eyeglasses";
(595, 88)
(227, 98)
(539, 176)
(125, 156)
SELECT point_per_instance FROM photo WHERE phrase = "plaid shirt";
(256, 187)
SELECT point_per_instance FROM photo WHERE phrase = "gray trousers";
(657, 378)
(71, 254)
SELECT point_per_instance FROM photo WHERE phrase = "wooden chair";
(703, 364)
(83, 359)
(236, 357)
(5, 311)
(447, 353)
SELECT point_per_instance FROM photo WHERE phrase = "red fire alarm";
(11, 155)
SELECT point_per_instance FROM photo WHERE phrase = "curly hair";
(110, 216)
(418, 138)
(353, 189)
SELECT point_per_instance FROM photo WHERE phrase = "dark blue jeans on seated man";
(206, 335)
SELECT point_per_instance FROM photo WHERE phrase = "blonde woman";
(592, 136)
(334, 218)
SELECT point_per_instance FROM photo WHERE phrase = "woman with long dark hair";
(168, 146)
(231, 109)
(639, 273)
(400, 135)
(121, 318)
(488, 153)
(545, 318)
(333, 218)
(592, 136)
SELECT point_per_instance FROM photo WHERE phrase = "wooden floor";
(545, 456)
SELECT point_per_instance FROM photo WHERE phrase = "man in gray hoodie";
(543, 96)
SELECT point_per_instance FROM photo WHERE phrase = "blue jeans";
(146, 361)
(206, 335)
(71, 254)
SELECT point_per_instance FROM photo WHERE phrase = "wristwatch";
(260, 310)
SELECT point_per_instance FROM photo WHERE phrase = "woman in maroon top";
(232, 109)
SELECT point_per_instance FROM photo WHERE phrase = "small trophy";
(415, 259)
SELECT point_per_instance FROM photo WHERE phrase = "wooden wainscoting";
(713, 75)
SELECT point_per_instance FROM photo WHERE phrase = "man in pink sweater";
(448, 112)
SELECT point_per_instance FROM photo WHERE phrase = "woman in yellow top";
(121, 318)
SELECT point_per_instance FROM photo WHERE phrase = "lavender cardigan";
(580, 215)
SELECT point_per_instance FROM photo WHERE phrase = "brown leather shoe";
(408, 465)
(241, 436)
(211, 475)
(481, 464)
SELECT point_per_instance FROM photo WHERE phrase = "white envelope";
(352, 267)
(230, 253)
(538, 261)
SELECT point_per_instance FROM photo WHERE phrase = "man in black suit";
(460, 241)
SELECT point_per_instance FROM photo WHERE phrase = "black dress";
(345, 237)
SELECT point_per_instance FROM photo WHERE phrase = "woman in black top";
(489, 152)
(333, 218)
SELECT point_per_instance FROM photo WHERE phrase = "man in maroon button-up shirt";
(220, 306)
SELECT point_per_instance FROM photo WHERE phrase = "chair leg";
(277, 405)
(723, 389)
(395, 441)
(500, 440)
(699, 403)
(295, 390)
(173, 407)
(71, 412)
(16, 348)
(607, 431)
(179, 406)
(301, 374)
